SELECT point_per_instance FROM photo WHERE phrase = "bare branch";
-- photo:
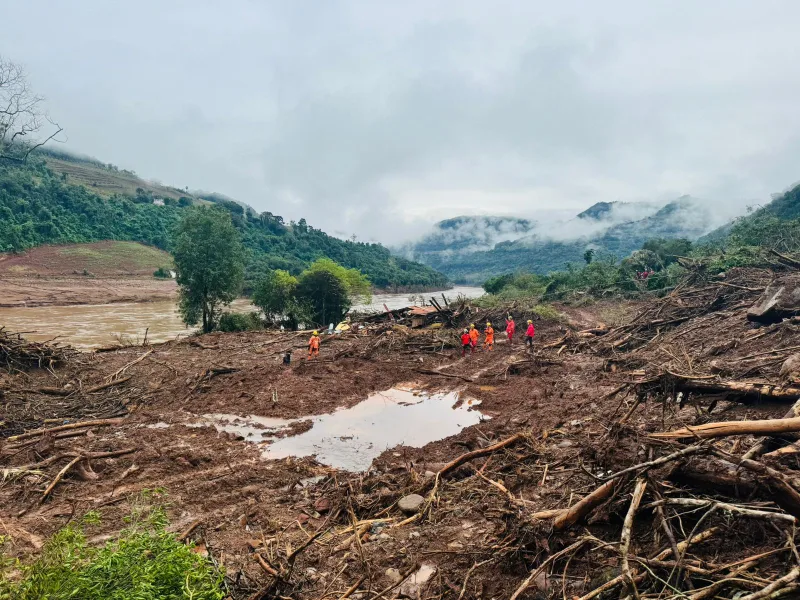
(22, 115)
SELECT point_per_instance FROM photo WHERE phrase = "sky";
(378, 118)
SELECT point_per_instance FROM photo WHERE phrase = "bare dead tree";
(24, 124)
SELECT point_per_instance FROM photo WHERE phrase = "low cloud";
(380, 119)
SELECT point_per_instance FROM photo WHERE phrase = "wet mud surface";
(260, 459)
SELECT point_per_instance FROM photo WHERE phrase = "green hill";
(682, 218)
(783, 207)
(39, 206)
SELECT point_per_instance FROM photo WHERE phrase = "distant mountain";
(606, 227)
(783, 206)
(465, 235)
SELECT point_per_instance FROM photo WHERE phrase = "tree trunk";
(726, 428)
(746, 389)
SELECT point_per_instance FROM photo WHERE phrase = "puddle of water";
(252, 427)
(350, 439)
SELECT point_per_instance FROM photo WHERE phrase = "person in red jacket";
(466, 342)
(510, 328)
(531, 331)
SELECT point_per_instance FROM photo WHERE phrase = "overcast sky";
(376, 117)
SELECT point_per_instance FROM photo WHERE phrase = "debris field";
(654, 459)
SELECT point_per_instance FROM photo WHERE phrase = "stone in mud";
(790, 370)
(410, 504)
(412, 587)
(322, 505)
(393, 575)
(780, 300)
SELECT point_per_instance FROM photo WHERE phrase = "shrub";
(162, 273)
(240, 322)
(144, 563)
(545, 311)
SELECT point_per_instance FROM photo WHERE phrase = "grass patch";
(230, 321)
(115, 256)
(546, 311)
(144, 563)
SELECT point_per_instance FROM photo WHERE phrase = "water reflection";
(352, 438)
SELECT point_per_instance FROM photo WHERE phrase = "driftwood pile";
(18, 353)
(80, 395)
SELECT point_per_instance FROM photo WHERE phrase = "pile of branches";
(18, 353)
(695, 298)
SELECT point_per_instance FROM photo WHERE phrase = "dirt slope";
(97, 273)
(100, 259)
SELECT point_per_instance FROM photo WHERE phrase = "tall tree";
(209, 261)
(329, 290)
(22, 116)
(275, 295)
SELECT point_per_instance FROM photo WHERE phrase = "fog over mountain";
(472, 249)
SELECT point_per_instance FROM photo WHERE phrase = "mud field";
(537, 475)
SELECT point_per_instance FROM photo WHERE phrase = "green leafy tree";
(209, 261)
(276, 295)
(329, 289)
(588, 256)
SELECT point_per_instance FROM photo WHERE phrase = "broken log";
(107, 385)
(37, 432)
(726, 428)
(734, 508)
(763, 390)
(464, 458)
(440, 374)
(568, 516)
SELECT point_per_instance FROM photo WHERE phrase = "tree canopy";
(37, 207)
(209, 262)
(322, 294)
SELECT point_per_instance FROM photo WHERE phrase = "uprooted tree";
(209, 261)
(24, 124)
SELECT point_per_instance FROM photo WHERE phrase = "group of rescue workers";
(471, 336)
(469, 339)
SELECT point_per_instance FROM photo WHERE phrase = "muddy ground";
(285, 527)
(66, 291)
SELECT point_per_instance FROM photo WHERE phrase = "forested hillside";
(682, 218)
(38, 206)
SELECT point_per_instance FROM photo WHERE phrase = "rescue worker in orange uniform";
(313, 346)
(510, 328)
(489, 341)
(466, 342)
(473, 336)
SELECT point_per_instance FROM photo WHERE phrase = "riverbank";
(74, 290)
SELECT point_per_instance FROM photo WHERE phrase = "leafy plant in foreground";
(144, 563)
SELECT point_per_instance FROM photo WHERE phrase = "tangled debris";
(18, 353)
(657, 459)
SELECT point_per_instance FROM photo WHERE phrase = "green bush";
(545, 311)
(144, 563)
(240, 322)
(162, 273)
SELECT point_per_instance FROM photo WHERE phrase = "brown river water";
(96, 325)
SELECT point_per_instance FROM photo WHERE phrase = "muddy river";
(95, 325)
